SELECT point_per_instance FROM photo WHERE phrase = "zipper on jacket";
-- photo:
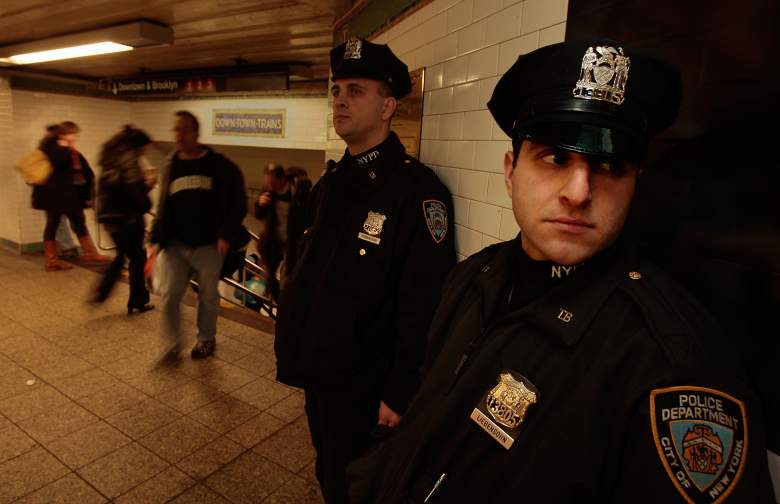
(435, 487)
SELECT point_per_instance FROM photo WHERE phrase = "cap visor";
(586, 139)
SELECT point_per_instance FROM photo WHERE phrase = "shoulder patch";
(702, 438)
(435, 213)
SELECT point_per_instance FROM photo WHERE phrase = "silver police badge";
(353, 48)
(372, 227)
(502, 410)
(603, 75)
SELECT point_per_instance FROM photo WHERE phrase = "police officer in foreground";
(563, 367)
(355, 312)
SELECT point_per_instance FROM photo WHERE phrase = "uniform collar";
(566, 310)
(374, 163)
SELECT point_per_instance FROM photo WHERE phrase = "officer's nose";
(339, 101)
(576, 190)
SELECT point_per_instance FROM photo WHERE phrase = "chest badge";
(372, 227)
(502, 410)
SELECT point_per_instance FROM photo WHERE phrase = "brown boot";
(53, 263)
(91, 254)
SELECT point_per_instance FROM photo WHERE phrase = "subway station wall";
(465, 46)
(30, 112)
(25, 114)
(304, 120)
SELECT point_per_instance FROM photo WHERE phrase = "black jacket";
(230, 208)
(60, 194)
(605, 350)
(356, 308)
(123, 195)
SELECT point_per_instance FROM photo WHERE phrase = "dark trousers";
(271, 262)
(77, 223)
(341, 425)
(129, 243)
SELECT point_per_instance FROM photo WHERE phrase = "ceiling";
(207, 33)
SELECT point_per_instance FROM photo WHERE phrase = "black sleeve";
(428, 259)
(58, 155)
(261, 212)
(156, 234)
(235, 205)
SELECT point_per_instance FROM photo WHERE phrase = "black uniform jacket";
(606, 350)
(356, 310)
(59, 193)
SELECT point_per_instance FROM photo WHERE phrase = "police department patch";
(436, 217)
(702, 438)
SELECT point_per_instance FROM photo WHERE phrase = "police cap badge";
(597, 97)
(360, 58)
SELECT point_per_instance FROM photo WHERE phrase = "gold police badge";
(502, 410)
(603, 75)
(353, 48)
(372, 227)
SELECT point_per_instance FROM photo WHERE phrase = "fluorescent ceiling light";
(101, 41)
(67, 53)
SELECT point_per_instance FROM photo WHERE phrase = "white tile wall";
(304, 128)
(9, 189)
(24, 114)
(466, 45)
(32, 111)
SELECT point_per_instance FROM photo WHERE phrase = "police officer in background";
(563, 367)
(355, 311)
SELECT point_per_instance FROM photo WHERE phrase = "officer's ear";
(388, 107)
(509, 168)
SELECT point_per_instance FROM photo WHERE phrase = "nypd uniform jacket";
(600, 390)
(356, 310)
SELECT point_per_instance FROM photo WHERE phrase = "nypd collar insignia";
(372, 227)
(436, 218)
(502, 410)
(702, 438)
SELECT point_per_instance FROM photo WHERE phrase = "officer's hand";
(387, 416)
(151, 258)
(264, 199)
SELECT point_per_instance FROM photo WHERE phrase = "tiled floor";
(85, 417)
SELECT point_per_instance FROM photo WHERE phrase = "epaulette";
(676, 321)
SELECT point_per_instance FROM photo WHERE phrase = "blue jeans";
(181, 262)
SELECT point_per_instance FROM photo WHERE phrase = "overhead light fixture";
(125, 37)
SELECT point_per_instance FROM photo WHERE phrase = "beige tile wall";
(465, 47)
(9, 208)
(30, 112)
(24, 115)
(303, 129)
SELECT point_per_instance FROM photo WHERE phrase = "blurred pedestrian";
(282, 207)
(199, 217)
(123, 200)
(68, 191)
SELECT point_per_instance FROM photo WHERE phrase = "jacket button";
(635, 275)
(362, 252)
(486, 269)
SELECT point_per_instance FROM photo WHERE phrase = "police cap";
(596, 97)
(360, 58)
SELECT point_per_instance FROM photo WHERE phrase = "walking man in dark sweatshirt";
(202, 205)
